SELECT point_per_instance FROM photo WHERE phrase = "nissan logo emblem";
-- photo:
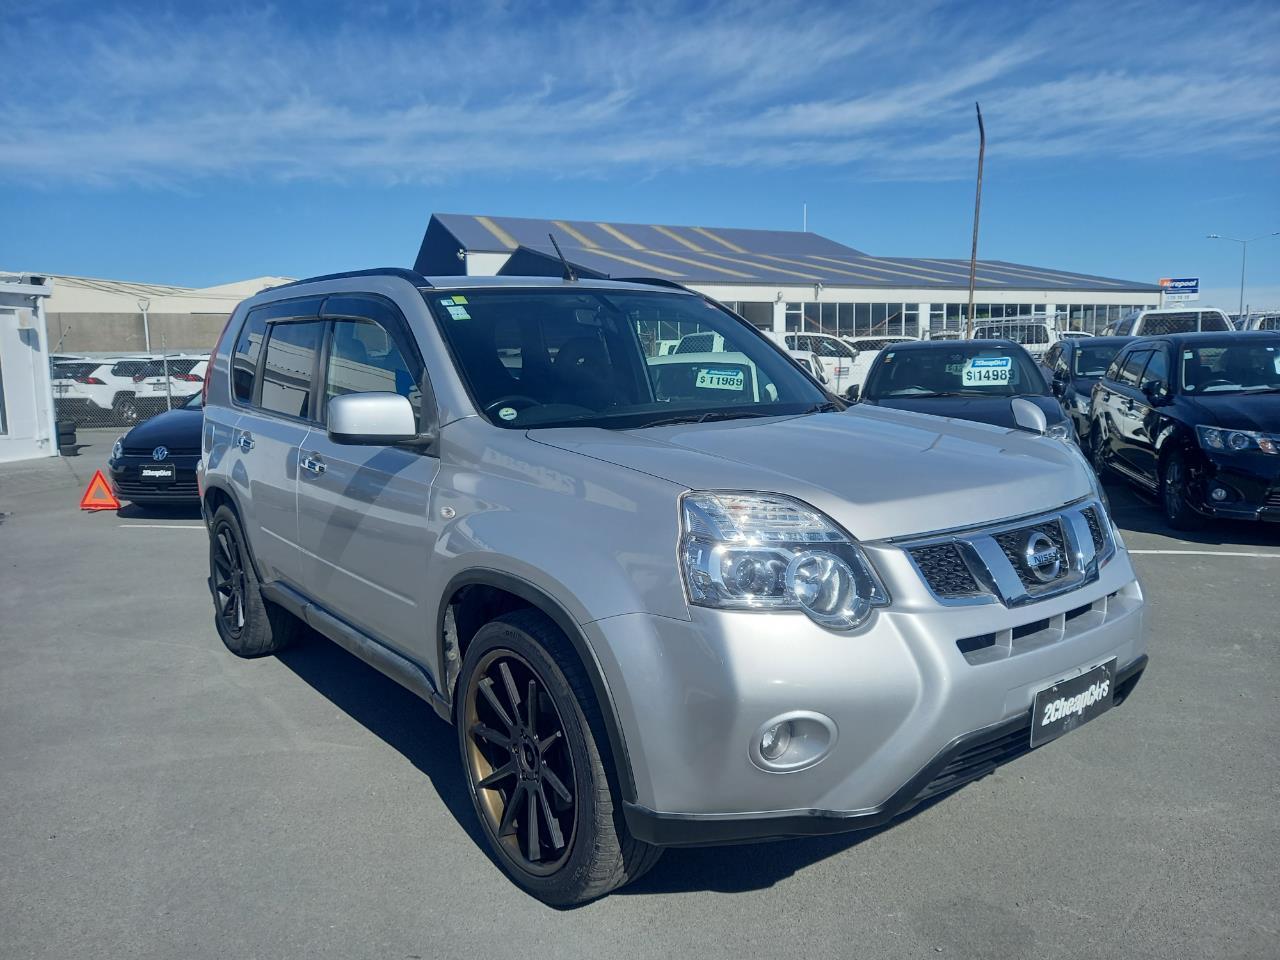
(160, 453)
(1041, 557)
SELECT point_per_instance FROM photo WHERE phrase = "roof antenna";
(568, 270)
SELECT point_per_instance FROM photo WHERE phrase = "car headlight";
(1236, 441)
(117, 448)
(1061, 431)
(757, 551)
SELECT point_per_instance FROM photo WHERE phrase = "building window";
(794, 317)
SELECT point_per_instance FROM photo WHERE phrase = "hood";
(993, 410)
(1241, 411)
(879, 473)
(173, 428)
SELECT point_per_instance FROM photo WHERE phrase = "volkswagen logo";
(160, 453)
(1041, 557)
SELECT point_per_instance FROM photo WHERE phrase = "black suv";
(1195, 418)
(1072, 366)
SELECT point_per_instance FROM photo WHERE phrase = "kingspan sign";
(1180, 289)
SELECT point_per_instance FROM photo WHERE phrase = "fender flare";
(540, 600)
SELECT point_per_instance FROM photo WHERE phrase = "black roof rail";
(656, 282)
(417, 279)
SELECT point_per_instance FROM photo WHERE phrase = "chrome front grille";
(1017, 562)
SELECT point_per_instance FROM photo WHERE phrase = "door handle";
(245, 441)
(313, 465)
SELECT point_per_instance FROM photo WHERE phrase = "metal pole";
(143, 305)
(1244, 254)
(977, 210)
(168, 384)
(804, 217)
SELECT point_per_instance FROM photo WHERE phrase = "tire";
(556, 760)
(1096, 455)
(1178, 512)
(249, 625)
(125, 408)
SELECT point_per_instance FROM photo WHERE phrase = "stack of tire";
(67, 438)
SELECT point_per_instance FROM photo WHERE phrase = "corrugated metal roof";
(728, 255)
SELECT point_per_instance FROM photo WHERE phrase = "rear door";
(1142, 439)
(1127, 409)
(363, 509)
(273, 372)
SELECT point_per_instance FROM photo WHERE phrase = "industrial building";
(782, 280)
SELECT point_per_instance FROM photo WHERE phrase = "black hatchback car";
(155, 462)
(964, 379)
(1073, 366)
(1194, 418)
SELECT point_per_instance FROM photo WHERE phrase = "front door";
(362, 510)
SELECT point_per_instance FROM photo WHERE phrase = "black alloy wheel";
(247, 624)
(1178, 511)
(126, 409)
(519, 762)
(228, 581)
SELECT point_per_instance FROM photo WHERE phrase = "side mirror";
(371, 418)
(1028, 415)
(853, 393)
(1155, 392)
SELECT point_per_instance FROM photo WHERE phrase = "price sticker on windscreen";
(720, 378)
(987, 371)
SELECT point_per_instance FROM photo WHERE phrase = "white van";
(837, 356)
(1159, 323)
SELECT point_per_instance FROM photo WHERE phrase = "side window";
(1157, 371)
(1132, 368)
(364, 358)
(244, 362)
(1113, 371)
(1052, 355)
(289, 367)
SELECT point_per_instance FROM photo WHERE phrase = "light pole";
(144, 305)
(1244, 253)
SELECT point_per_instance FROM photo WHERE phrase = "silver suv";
(664, 600)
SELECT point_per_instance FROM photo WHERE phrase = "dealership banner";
(1180, 289)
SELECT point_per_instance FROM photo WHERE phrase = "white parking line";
(162, 526)
(1207, 553)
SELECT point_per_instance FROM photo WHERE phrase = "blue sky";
(182, 143)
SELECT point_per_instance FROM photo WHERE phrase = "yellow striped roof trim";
(763, 267)
(1059, 278)
(902, 273)
(801, 263)
(732, 247)
(578, 235)
(704, 266)
(619, 235)
(950, 273)
(671, 234)
(504, 238)
(636, 263)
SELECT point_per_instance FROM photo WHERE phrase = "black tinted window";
(244, 363)
(1132, 366)
(365, 359)
(290, 367)
(1092, 361)
(1157, 369)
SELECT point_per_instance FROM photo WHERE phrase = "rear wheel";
(1097, 450)
(529, 730)
(249, 625)
(125, 407)
(1178, 512)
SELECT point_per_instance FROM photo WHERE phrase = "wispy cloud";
(432, 91)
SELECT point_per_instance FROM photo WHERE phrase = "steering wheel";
(510, 400)
(1216, 382)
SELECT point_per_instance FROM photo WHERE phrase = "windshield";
(1091, 361)
(954, 369)
(602, 357)
(1231, 366)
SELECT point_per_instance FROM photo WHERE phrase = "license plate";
(157, 472)
(1064, 706)
(60, 388)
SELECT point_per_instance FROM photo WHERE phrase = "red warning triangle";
(99, 495)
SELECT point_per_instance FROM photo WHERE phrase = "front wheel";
(125, 408)
(530, 734)
(1097, 452)
(1178, 512)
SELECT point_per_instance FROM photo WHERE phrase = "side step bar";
(399, 668)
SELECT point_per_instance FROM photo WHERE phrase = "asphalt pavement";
(162, 798)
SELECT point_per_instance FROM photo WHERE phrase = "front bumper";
(1252, 481)
(914, 714)
(126, 483)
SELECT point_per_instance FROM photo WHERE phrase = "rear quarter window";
(244, 362)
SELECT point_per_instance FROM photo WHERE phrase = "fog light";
(1218, 493)
(775, 741)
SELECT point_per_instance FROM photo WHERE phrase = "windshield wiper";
(826, 406)
(705, 417)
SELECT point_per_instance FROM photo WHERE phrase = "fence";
(123, 389)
